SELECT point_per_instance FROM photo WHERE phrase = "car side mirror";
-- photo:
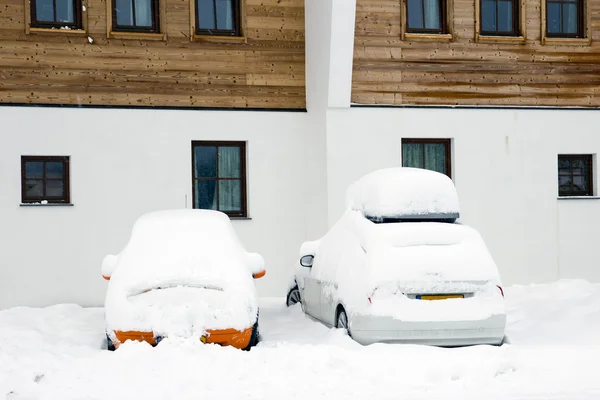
(259, 274)
(307, 261)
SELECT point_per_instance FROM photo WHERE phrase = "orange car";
(183, 273)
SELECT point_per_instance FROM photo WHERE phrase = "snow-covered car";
(397, 267)
(183, 273)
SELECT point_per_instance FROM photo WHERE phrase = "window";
(564, 18)
(500, 17)
(218, 17)
(575, 175)
(44, 178)
(219, 175)
(135, 16)
(56, 14)
(426, 16)
(432, 154)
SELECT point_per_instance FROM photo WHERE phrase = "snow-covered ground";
(554, 329)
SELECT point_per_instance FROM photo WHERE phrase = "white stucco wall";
(128, 162)
(504, 165)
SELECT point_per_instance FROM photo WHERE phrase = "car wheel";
(341, 322)
(293, 296)
(254, 338)
(109, 344)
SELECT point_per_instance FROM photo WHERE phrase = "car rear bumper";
(223, 337)
(368, 329)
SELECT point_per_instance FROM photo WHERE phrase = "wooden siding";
(264, 70)
(468, 71)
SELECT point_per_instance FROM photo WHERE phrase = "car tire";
(341, 320)
(254, 337)
(110, 346)
(293, 297)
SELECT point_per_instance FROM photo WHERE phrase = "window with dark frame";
(500, 17)
(564, 18)
(44, 178)
(575, 175)
(431, 154)
(426, 16)
(218, 17)
(60, 14)
(219, 177)
(135, 16)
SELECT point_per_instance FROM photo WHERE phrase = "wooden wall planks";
(264, 71)
(389, 70)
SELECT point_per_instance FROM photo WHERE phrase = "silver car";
(402, 279)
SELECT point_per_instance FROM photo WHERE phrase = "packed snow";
(182, 272)
(58, 353)
(404, 193)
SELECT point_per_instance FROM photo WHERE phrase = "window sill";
(428, 37)
(219, 39)
(578, 197)
(55, 31)
(137, 36)
(46, 205)
(567, 41)
(500, 39)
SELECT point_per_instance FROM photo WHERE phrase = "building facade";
(269, 109)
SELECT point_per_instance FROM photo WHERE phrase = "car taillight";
(501, 290)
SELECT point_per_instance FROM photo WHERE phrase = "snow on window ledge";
(46, 204)
(578, 198)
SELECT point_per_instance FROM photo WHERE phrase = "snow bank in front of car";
(404, 193)
(181, 273)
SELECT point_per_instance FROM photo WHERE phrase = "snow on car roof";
(181, 247)
(404, 193)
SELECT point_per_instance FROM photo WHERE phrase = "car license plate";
(440, 296)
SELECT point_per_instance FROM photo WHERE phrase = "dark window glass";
(56, 14)
(575, 175)
(500, 17)
(564, 18)
(219, 177)
(218, 17)
(44, 178)
(136, 16)
(425, 16)
(431, 154)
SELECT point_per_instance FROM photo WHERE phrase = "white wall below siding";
(504, 165)
(125, 163)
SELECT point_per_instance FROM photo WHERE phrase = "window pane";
(34, 188)
(54, 169)
(64, 11)
(554, 17)
(124, 11)
(435, 157)
(415, 14)
(505, 22)
(229, 162)
(225, 14)
(488, 16)
(432, 14)
(205, 158)
(412, 155)
(578, 167)
(54, 188)
(564, 183)
(570, 19)
(143, 13)
(206, 14)
(34, 169)
(44, 10)
(230, 195)
(206, 195)
(579, 184)
(564, 166)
